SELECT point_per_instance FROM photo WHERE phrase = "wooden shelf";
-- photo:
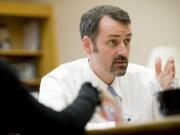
(25, 10)
(23, 53)
(18, 17)
(32, 83)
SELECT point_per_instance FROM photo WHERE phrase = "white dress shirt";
(135, 89)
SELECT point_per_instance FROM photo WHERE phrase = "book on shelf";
(25, 70)
(4, 37)
(32, 36)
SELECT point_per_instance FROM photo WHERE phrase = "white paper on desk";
(104, 125)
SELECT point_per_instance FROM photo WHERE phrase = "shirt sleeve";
(57, 89)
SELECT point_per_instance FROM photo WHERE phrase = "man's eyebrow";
(114, 35)
(129, 35)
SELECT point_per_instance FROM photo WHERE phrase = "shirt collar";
(94, 79)
(117, 87)
(97, 82)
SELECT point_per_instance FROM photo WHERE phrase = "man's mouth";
(120, 63)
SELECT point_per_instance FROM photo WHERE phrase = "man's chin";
(119, 71)
(121, 74)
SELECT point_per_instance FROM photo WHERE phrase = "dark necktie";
(114, 94)
(112, 91)
(109, 110)
(119, 100)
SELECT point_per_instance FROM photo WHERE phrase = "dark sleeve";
(21, 113)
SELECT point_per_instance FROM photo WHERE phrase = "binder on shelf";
(32, 36)
(4, 37)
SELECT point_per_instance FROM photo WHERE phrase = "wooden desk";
(168, 126)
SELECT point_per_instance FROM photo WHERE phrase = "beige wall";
(154, 22)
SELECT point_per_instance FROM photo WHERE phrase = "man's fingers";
(166, 75)
(170, 67)
(118, 117)
(158, 66)
(169, 64)
(172, 64)
(110, 108)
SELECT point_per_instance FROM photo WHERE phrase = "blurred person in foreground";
(21, 113)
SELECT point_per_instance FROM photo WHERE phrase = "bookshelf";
(31, 40)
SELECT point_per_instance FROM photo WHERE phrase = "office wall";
(154, 22)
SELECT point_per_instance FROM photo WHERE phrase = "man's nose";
(122, 49)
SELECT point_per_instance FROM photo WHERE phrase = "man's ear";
(87, 44)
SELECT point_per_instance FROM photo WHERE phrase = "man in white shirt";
(106, 35)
